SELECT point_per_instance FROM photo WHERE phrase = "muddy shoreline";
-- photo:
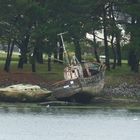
(122, 93)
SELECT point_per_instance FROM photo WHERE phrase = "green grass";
(54, 75)
(41, 69)
(3, 55)
(120, 75)
(113, 77)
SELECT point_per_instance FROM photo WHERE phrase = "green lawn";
(113, 77)
(122, 74)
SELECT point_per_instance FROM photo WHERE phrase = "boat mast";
(64, 48)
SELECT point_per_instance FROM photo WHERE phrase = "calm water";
(68, 124)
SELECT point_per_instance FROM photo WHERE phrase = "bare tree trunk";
(40, 57)
(33, 66)
(32, 61)
(23, 50)
(61, 51)
(105, 40)
(77, 49)
(114, 52)
(9, 55)
(56, 53)
(49, 62)
(119, 58)
(95, 48)
(133, 58)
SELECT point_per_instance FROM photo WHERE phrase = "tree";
(133, 28)
(78, 22)
(70, 18)
(8, 18)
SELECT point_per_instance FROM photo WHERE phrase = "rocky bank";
(123, 90)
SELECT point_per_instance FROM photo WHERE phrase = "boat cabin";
(73, 72)
(77, 71)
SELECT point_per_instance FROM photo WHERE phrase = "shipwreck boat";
(24, 92)
(85, 79)
(79, 78)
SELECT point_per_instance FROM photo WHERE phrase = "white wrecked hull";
(24, 92)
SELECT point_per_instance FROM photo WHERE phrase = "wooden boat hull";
(67, 88)
(96, 88)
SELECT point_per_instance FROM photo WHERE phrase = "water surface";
(68, 124)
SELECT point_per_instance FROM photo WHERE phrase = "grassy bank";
(113, 77)
(120, 75)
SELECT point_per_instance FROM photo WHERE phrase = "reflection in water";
(68, 124)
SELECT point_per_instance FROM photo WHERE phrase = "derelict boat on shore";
(88, 78)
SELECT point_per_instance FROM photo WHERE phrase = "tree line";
(33, 26)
